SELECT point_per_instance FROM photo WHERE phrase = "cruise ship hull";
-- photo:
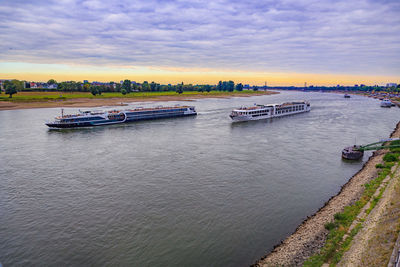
(250, 118)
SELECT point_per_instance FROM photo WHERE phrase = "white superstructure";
(386, 103)
(259, 112)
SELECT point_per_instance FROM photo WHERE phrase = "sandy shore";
(310, 236)
(90, 102)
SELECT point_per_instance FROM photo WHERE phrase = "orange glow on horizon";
(42, 73)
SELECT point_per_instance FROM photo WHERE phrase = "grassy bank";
(340, 233)
(61, 96)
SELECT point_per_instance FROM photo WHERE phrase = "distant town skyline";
(283, 42)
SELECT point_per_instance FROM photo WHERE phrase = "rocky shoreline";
(311, 234)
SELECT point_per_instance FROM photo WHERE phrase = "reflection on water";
(193, 191)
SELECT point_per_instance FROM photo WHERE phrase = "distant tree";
(10, 88)
(208, 88)
(79, 86)
(188, 87)
(224, 85)
(219, 86)
(118, 87)
(127, 85)
(51, 81)
(145, 86)
(153, 86)
(239, 87)
(86, 87)
(179, 88)
(230, 86)
(134, 87)
(93, 90)
(111, 87)
(255, 88)
(19, 85)
(123, 91)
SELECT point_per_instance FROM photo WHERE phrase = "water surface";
(198, 191)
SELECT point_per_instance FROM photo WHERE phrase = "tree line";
(126, 87)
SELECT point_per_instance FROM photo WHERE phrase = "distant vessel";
(346, 96)
(259, 112)
(93, 118)
(386, 103)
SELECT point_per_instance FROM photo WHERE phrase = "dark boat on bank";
(352, 153)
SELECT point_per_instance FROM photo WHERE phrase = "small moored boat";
(352, 153)
(386, 103)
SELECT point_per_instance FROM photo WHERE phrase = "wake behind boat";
(259, 112)
(97, 118)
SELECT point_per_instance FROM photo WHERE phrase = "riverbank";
(374, 243)
(27, 100)
(311, 235)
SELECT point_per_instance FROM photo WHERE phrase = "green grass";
(386, 165)
(46, 96)
(335, 247)
(395, 149)
(391, 157)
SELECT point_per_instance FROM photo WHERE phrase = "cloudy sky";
(282, 41)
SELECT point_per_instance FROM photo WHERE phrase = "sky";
(281, 42)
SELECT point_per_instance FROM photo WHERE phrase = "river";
(198, 191)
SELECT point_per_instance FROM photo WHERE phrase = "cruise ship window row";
(136, 114)
(257, 112)
(83, 119)
(155, 111)
(290, 109)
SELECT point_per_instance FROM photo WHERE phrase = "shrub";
(395, 143)
(391, 157)
(339, 216)
(123, 91)
(329, 226)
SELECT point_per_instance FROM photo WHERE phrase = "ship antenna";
(62, 112)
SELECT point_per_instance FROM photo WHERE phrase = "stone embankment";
(310, 236)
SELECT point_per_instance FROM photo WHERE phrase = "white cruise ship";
(259, 112)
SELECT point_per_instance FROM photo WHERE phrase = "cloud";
(358, 37)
